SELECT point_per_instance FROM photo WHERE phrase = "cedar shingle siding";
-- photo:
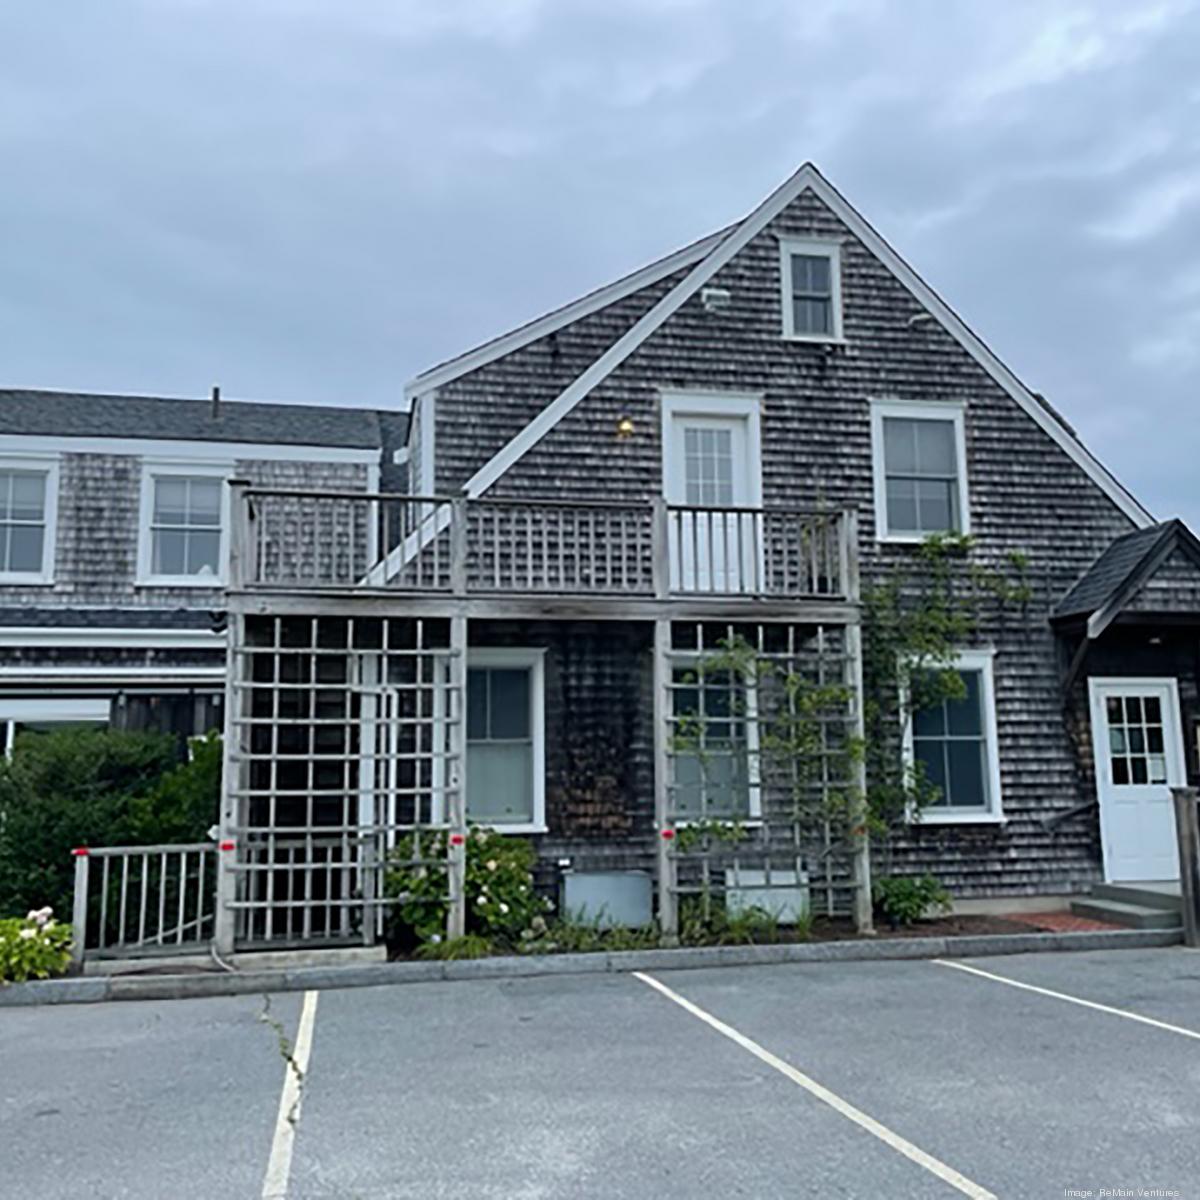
(1026, 494)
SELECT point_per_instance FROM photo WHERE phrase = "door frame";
(1173, 746)
(722, 406)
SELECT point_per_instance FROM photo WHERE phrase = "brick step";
(1132, 916)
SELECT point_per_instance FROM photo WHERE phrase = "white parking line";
(279, 1167)
(1041, 991)
(901, 1145)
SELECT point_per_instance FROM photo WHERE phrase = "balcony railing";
(291, 540)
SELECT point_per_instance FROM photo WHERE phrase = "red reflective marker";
(228, 845)
(457, 839)
(81, 852)
(668, 834)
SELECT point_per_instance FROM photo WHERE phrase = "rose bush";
(33, 947)
(501, 900)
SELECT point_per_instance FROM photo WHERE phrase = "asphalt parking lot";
(880, 1079)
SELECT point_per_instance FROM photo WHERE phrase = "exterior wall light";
(625, 427)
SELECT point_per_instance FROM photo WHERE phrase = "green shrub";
(501, 901)
(583, 937)
(712, 924)
(95, 787)
(33, 947)
(470, 945)
(904, 899)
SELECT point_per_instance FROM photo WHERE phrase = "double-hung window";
(505, 755)
(810, 271)
(28, 494)
(183, 514)
(952, 745)
(920, 470)
(714, 754)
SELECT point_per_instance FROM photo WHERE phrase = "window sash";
(898, 519)
(22, 534)
(951, 743)
(185, 538)
(501, 789)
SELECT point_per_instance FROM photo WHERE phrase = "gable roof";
(80, 414)
(559, 318)
(729, 243)
(1116, 576)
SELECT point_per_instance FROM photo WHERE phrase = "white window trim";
(152, 467)
(982, 661)
(745, 406)
(66, 709)
(49, 464)
(917, 410)
(535, 660)
(819, 247)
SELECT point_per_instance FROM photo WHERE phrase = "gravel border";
(175, 987)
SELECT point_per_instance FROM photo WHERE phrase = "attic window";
(810, 272)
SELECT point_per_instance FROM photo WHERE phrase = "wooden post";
(851, 586)
(239, 536)
(660, 549)
(456, 917)
(458, 551)
(1187, 829)
(224, 923)
(79, 912)
(668, 907)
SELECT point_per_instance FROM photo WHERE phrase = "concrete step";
(1149, 895)
(1132, 916)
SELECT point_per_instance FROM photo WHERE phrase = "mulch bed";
(837, 929)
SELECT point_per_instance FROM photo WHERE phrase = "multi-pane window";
(712, 752)
(185, 526)
(950, 746)
(708, 466)
(921, 475)
(1135, 740)
(812, 295)
(500, 745)
(22, 521)
(810, 271)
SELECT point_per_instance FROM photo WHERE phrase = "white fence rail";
(133, 901)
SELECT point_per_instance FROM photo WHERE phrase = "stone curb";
(298, 979)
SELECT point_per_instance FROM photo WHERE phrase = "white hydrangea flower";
(26, 934)
(503, 907)
(491, 864)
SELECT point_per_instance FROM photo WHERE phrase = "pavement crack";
(286, 1052)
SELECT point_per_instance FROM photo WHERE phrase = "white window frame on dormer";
(162, 468)
(981, 661)
(49, 466)
(816, 248)
(917, 410)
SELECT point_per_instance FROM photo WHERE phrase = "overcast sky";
(312, 200)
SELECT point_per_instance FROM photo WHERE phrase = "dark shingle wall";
(1026, 493)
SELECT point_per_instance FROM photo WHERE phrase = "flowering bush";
(33, 947)
(501, 901)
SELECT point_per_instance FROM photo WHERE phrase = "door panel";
(1138, 745)
(712, 549)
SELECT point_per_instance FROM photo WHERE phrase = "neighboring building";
(114, 539)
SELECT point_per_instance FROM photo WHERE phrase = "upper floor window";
(182, 538)
(812, 290)
(920, 475)
(28, 495)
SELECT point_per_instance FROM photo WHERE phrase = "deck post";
(1187, 830)
(79, 912)
(852, 587)
(668, 898)
(456, 917)
(660, 548)
(458, 549)
(224, 918)
(239, 539)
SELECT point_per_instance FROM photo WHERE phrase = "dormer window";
(184, 511)
(812, 290)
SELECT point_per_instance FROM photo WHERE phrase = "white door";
(712, 549)
(1138, 743)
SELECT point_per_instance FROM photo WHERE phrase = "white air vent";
(716, 300)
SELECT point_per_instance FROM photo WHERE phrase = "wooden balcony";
(547, 556)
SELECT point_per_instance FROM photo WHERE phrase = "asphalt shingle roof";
(76, 414)
(1114, 566)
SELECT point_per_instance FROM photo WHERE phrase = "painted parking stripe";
(279, 1167)
(1041, 991)
(901, 1145)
